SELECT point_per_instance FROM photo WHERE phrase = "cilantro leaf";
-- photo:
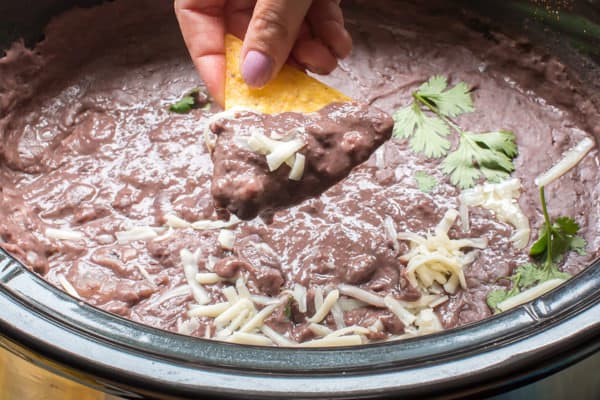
(553, 272)
(427, 134)
(500, 141)
(426, 123)
(578, 244)
(567, 225)
(450, 103)
(193, 99)
(524, 277)
(459, 165)
(425, 182)
(434, 86)
(539, 246)
(532, 274)
(429, 137)
(496, 297)
(487, 153)
(405, 120)
(554, 241)
(183, 106)
(528, 274)
(562, 237)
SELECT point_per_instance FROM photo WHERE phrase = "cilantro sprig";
(555, 240)
(427, 123)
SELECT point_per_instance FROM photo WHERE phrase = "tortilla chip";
(291, 90)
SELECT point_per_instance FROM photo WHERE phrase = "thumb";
(270, 37)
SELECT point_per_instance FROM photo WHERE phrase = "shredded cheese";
(145, 273)
(67, 286)
(210, 262)
(264, 300)
(396, 307)
(298, 167)
(299, 294)
(277, 338)
(319, 330)
(174, 221)
(334, 341)
(338, 315)
(258, 320)
(377, 326)
(570, 159)
(437, 258)
(188, 327)
(380, 157)
(428, 322)
(206, 225)
(252, 339)
(261, 144)
(190, 269)
(63, 234)
(212, 310)
(362, 295)
(529, 294)
(278, 152)
(502, 199)
(240, 285)
(230, 294)
(208, 278)
(354, 329)
(137, 233)
(348, 304)
(328, 303)
(226, 239)
(165, 235)
(282, 152)
(171, 294)
(238, 320)
(391, 233)
(232, 312)
(318, 297)
(439, 301)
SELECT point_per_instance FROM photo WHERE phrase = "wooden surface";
(21, 380)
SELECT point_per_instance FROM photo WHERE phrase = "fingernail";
(256, 69)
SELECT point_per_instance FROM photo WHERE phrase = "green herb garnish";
(558, 238)
(187, 103)
(555, 240)
(490, 154)
(425, 182)
(427, 123)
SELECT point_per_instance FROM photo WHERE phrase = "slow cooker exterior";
(48, 328)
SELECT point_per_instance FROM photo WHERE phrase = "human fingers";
(237, 16)
(271, 34)
(314, 55)
(202, 25)
(327, 23)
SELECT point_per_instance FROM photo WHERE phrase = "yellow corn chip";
(291, 90)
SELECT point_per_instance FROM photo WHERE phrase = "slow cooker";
(57, 347)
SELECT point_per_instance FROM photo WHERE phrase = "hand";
(309, 32)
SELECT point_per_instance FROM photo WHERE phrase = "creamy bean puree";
(331, 141)
(107, 194)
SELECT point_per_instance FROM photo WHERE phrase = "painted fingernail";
(257, 68)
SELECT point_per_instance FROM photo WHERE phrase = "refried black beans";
(107, 194)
